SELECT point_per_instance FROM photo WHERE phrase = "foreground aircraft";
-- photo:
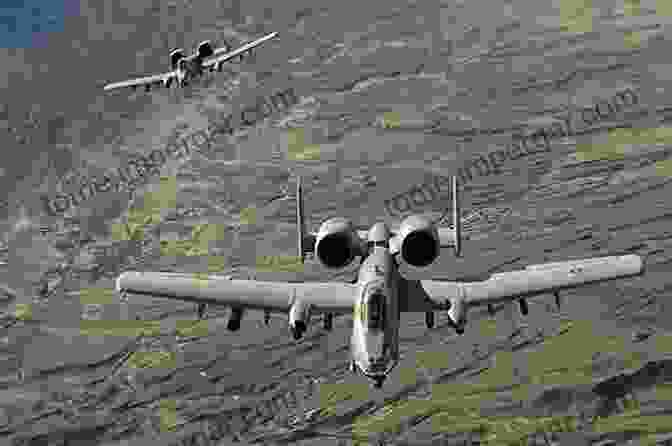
(191, 67)
(380, 294)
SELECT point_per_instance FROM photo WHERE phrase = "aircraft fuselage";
(189, 68)
(375, 334)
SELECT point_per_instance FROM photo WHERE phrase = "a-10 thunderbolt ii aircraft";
(183, 68)
(380, 294)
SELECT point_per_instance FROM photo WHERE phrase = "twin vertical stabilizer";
(300, 222)
(450, 237)
(306, 241)
(457, 217)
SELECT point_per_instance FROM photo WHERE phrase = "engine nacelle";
(205, 49)
(175, 56)
(299, 315)
(234, 321)
(337, 243)
(226, 47)
(457, 313)
(419, 241)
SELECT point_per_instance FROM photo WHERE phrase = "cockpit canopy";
(375, 313)
(382, 244)
(378, 235)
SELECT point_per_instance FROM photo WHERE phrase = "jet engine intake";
(419, 241)
(457, 314)
(299, 315)
(205, 49)
(337, 243)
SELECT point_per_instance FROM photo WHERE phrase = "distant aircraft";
(185, 68)
(380, 294)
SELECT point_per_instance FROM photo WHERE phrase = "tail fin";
(457, 217)
(452, 236)
(305, 239)
(300, 222)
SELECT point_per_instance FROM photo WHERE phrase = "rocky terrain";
(390, 95)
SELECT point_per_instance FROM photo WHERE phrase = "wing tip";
(637, 261)
(119, 279)
(117, 283)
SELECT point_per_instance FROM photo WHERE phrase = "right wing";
(543, 278)
(328, 297)
(426, 295)
(220, 58)
(157, 79)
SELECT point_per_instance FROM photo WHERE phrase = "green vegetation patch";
(664, 168)
(187, 329)
(594, 152)
(632, 39)
(280, 264)
(147, 360)
(97, 296)
(576, 16)
(168, 415)
(391, 120)
(664, 8)
(298, 150)
(23, 312)
(632, 7)
(248, 216)
(634, 421)
(333, 394)
(198, 243)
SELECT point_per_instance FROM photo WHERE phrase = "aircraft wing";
(332, 297)
(220, 50)
(157, 79)
(219, 58)
(533, 280)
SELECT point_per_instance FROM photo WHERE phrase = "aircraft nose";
(377, 363)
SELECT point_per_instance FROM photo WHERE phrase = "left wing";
(425, 295)
(331, 297)
(157, 79)
(218, 59)
(221, 50)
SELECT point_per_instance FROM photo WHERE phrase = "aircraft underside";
(378, 379)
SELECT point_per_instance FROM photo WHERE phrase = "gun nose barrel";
(377, 362)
